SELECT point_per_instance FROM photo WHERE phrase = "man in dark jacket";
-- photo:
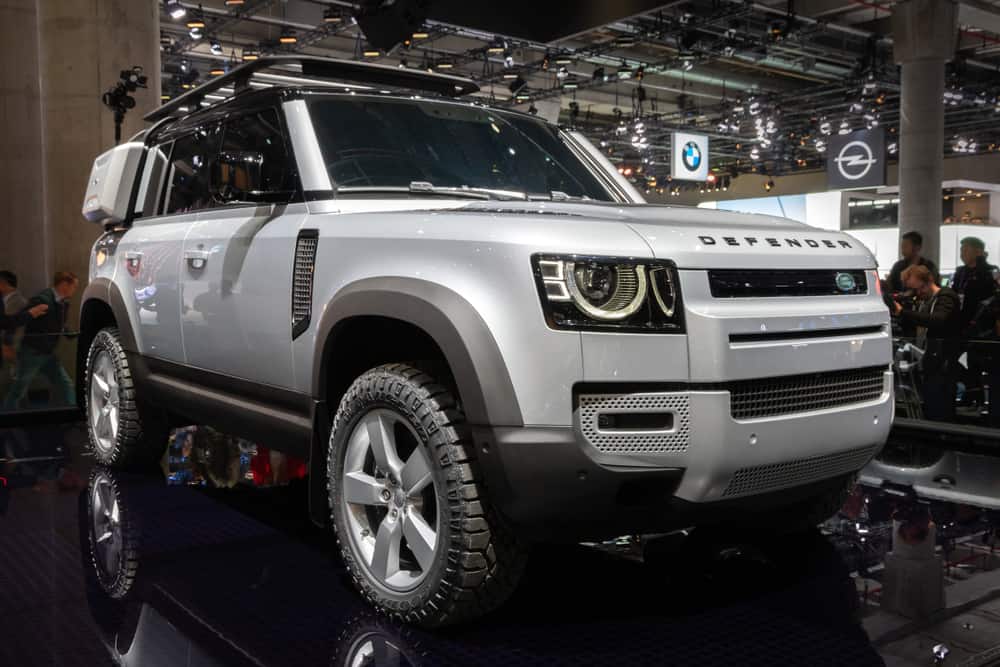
(37, 353)
(974, 281)
(939, 325)
(12, 315)
(909, 247)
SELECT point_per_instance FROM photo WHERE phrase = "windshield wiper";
(557, 195)
(465, 190)
(425, 188)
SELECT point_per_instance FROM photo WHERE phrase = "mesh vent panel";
(675, 440)
(760, 479)
(754, 399)
(302, 280)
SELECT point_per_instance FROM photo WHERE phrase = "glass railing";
(38, 373)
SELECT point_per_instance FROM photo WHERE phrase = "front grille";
(302, 279)
(673, 440)
(754, 399)
(745, 283)
(774, 476)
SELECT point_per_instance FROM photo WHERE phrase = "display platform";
(239, 576)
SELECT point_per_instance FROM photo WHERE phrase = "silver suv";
(471, 326)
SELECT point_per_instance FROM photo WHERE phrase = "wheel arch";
(449, 321)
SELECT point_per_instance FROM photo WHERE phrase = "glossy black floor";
(240, 577)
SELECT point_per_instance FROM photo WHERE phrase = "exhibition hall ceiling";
(769, 82)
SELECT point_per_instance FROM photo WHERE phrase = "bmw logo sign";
(845, 282)
(691, 156)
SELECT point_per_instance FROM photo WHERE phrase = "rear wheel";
(412, 519)
(121, 434)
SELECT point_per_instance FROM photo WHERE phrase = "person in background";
(13, 315)
(974, 280)
(37, 353)
(938, 323)
(909, 247)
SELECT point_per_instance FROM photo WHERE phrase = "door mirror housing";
(239, 176)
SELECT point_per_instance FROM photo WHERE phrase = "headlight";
(609, 294)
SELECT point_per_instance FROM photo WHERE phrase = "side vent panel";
(302, 280)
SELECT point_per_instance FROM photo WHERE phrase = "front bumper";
(553, 480)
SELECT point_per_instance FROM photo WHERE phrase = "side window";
(260, 133)
(190, 162)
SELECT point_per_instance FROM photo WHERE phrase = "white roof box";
(110, 185)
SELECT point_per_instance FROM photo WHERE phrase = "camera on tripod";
(118, 98)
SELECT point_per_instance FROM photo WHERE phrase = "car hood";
(706, 238)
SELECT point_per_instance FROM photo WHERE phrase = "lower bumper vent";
(761, 479)
(638, 423)
(768, 397)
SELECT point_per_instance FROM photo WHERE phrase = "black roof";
(325, 69)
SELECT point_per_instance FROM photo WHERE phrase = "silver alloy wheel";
(103, 405)
(390, 504)
(106, 526)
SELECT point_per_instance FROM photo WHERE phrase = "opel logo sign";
(845, 282)
(854, 161)
(691, 156)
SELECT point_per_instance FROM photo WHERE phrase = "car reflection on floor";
(169, 575)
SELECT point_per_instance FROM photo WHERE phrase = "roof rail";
(321, 69)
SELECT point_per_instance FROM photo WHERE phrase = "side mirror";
(239, 176)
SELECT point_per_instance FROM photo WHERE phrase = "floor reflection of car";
(938, 474)
(181, 575)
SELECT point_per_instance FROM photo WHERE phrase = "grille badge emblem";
(845, 282)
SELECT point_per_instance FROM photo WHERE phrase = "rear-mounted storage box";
(110, 185)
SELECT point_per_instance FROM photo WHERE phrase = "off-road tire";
(117, 584)
(479, 561)
(142, 431)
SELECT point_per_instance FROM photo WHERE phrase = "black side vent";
(302, 280)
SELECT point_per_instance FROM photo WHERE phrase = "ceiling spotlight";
(768, 185)
(508, 60)
(825, 127)
(820, 146)
(197, 20)
(893, 148)
(287, 36)
(250, 54)
(195, 33)
(331, 15)
(421, 35)
(562, 73)
(175, 9)
(216, 48)
(217, 71)
(845, 127)
(754, 154)
(371, 53)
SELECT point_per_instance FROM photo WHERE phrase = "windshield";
(372, 142)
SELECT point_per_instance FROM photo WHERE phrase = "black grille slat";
(302, 280)
(769, 397)
(747, 283)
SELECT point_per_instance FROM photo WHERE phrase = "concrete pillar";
(924, 37)
(59, 56)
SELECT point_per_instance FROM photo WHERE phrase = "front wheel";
(412, 519)
(120, 433)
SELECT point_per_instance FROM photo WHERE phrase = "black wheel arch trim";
(484, 383)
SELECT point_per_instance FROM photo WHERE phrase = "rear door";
(237, 263)
(149, 254)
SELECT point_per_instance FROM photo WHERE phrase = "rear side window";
(190, 163)
(261, 133)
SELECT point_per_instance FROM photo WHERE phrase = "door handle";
(196, 259)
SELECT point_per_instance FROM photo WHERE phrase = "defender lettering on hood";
(775, 242)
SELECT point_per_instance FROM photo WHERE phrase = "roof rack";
(321, 69)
